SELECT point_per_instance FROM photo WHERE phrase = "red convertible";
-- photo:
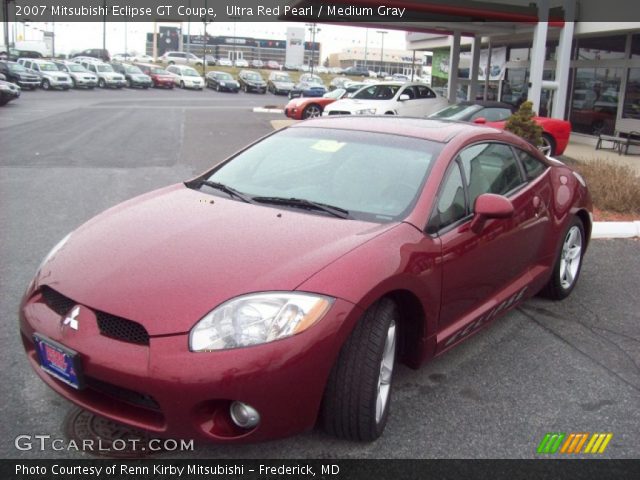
(285, 283)
(555, 136)
(302, 108)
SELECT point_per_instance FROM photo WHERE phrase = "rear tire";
(548, 146)
(568, 263)
(357, 396)
(311, 111)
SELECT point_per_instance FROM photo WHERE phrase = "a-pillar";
(538, 54)
(454, 62)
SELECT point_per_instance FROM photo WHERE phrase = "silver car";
(80, 76)
(107, 77)
(47, 71)
(181, 58)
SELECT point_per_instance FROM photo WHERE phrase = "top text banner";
(202, 10)
(352, 11)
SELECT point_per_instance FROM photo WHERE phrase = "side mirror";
(490, 205)
(404, 97)
(480, 120)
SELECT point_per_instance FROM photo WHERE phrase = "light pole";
(366, 46)
(104, 26)
(382, 34)
(313, 29)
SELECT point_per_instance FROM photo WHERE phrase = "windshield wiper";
(307, 204)
(226, 189)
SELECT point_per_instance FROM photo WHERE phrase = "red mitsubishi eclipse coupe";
(287, 281)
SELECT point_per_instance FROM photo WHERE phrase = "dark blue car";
(307, 89)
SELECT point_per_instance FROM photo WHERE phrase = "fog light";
(244, 415)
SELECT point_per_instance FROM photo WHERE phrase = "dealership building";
(573, 59)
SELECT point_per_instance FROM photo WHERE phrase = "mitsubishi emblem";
(72, 318)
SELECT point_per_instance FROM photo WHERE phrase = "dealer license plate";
(59, 361)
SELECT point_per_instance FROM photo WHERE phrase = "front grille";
(56, 301)
(109, 325)
(339, 112)
(122, 329)
(123, 394)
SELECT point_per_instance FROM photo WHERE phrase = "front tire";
(46, 85)
(568, 264)
(357, 396)
(102, 83)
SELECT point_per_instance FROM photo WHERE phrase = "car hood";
(167, 258)
(115, 75)
(283, 84)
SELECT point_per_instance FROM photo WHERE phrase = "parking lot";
(572, 366)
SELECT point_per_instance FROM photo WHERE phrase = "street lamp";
(313, 29)
(382, 34)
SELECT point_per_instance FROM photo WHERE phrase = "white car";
(389, 98)
(181, 58)
(142, 58)
(225, 62)
(186, 77)
(241, 63)
(122, 57)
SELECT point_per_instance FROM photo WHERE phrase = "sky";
(82, 35)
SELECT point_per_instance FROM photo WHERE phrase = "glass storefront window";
(632, 95)
(635, 46)
(594, 103)
(601, 48)
(515, 89)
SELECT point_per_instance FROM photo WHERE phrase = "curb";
(267, 110)
(616, 229)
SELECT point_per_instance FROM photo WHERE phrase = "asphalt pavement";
(571, 366)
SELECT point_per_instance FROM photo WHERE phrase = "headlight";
(257, 318)
(222, 84)
(366, 111)
(4, 87)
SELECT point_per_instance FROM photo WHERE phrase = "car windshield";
(313, 79)
(159, 71)
(189, 72)
(375, 177)
(76, 68)
(335, 94)
(378, 92)
(48, 67)
(16, 67)
(104, 68)
(132, 69)
(457, 112)
(224, 76)
(253, 76)
(282, 78)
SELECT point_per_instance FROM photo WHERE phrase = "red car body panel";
(296, 106)
(179, 253)
(560, 130)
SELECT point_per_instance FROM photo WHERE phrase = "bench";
(619, 142)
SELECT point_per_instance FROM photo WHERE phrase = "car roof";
(439, 130)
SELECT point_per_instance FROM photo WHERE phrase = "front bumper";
(86, 82)
(140, 83)
(112, 82)
(163, 83)
(57, 83)
(28, 83)
(168, 390)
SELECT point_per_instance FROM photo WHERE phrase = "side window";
(492, 114)
(451, 205)
(424, 92)
(490, 168)
(532, 166)
(409, 91)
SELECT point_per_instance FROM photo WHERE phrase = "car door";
(479, 269)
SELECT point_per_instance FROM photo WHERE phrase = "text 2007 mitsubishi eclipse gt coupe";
(286, 282)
